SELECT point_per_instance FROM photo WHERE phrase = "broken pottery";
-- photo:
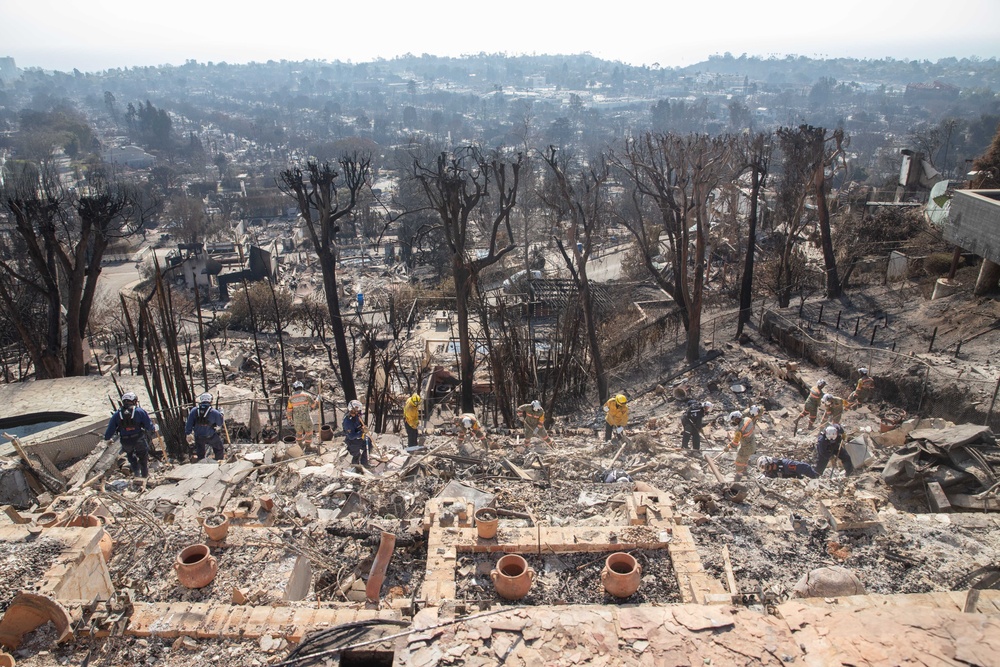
(47, 519)
(216, 527)
(486, 523)
(621, 575)
(195, 566)
(106, 544)
(512, 577)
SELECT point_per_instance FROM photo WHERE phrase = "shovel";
(735, 493)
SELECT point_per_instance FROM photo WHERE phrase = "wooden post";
(930, 348)
(958, 348)
(820, 319)
(874, 330)
(857, 323)
(838, 319)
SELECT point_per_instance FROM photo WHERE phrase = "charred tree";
(473, 195)
(324, 197)
(756, 156)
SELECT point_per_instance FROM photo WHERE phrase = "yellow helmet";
(620, 399)
(415, 399)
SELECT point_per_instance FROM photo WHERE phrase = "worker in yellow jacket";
(299, 406)
(534, 422)
(411, 418)
(615, 417)
(744, 437)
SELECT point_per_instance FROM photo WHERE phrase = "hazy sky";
(99, 34)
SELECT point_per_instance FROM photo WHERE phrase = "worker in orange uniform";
(863, 391)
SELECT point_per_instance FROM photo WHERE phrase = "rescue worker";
(863, 390)
(812, 403)
(203, 428)
(773, 467)
(132, 425)
(691, 421)
(299, 405)
(534, 422)
(466, 423)
(615, 416)
(833, 409)
(355, 434)
(754, 412)
(830, 443)
(743, 438)
(411, 419)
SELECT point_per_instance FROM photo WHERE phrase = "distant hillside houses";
(129, 156)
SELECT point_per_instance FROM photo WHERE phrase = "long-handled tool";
(736, 493)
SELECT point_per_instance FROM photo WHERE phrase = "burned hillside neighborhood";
(501, 360)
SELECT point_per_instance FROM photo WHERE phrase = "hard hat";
(354, 405)
(620, 399)
(205, 398)
(297, 385)
(735, 415)
(754, 410)
(467, 422)
(130, 396)
(863, 370)
(827, 398)
(763, 462)
(707, 405)
(536, 405)
(830, 432)
(821, 383)
(415, 399)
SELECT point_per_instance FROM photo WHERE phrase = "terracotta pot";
(6, 659)
(106, 544)
(621, 575)
(326, 433)
(512, 577)
(216, 527)
(204, 513)
(47, 519)
(289, 440)
(195, 566)
(486, 523)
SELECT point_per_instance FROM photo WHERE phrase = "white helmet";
(297, 385)
(130, 396)
(354, 405)
(754, 410)
(205, 398)
(763, 462)
(467, 422)
(827, 398)
(536, 405)
(863, 371)
(830, 432)
(707, 405)
(735, 415)
(821, 382)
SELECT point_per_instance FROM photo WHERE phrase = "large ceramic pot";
(486, 523)
(196, 567)
(289, 440)
(326, 433)
(621, 575)
(47, 519)
(106, 544)
(216, 527)
(512, 577)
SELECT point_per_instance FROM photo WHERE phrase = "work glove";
(190, 438)
(620, 430)
(607, 409)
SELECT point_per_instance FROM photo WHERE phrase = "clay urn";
(204, 513)
(289, 440)
(47, 519)
(196, 567)
(512, 577)
(216, 527)
(6, 659)
(326, 433)
(621, 575)
(106, 544)
(486, 523)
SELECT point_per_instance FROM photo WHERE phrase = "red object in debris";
(377, 574)
(29, 611)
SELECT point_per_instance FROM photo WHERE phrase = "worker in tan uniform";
(300, 404)
(863, 391)
(744, 438)
(811, 406)
(534, 422)
(834, 409)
